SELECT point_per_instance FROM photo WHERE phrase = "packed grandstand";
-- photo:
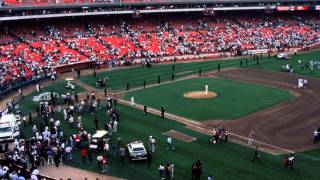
(27, 51)
(40, 39)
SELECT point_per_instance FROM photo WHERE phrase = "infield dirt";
(288, 125)
(200, 95)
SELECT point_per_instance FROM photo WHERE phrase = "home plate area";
(179, 136)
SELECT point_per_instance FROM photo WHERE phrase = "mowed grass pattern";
(135, 76)
(235, 99)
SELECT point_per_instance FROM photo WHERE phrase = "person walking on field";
(256, 155)
(193, 171)
(115, 126)
(145, 109)
(149, 158)
(250, 138)
(132, 103)
(162, 112)
(161, 171)
(316, 135)
(169, 143)
(285, 163)
(96, 121)
(153, 144)
(171, 170)
(122, 152)
(84, 155)
(105, 164)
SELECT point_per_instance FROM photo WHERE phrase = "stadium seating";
(44, 46)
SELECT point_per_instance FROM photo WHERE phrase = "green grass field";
(235, 99)
(275, 65)
(136, 75)
(28, 104)
(223, 161)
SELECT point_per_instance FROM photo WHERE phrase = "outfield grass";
(28, 105)
(223, 161)
(235, 99)
(135, 76)
(275, 64)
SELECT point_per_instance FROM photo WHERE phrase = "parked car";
(137, 151)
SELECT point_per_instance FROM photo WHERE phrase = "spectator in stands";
(96, 42)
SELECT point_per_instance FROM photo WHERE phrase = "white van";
(9, 128)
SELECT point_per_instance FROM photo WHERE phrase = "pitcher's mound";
(200, 95)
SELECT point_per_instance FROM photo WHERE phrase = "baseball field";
(223, 161)
(227, 105)
(258, 98)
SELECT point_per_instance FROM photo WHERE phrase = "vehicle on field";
(9, 128)
(70, 86)
(137, 151)
(283, 56)
(99, 139)
(46, 96)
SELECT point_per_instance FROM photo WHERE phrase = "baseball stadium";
(159, 89)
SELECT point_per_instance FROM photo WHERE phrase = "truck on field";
(9, 127)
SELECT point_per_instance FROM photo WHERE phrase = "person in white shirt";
(115, 126)
(305, 83)
(57, 123)
(153, 144)
(300, 83)
(68, 151)
(316, 134)
(206, 89)
(171, 170)
(132, 103)
(250, 138)
(169, 143)
(65, 114)
(161, 171)
(71, 121)
(291, 160)
(38, 88)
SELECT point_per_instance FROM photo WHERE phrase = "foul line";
(192, 123)
(197, 125)
(176, 80)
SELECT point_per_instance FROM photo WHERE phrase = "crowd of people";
(41, 48)
(50, 144)
(219, 135)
